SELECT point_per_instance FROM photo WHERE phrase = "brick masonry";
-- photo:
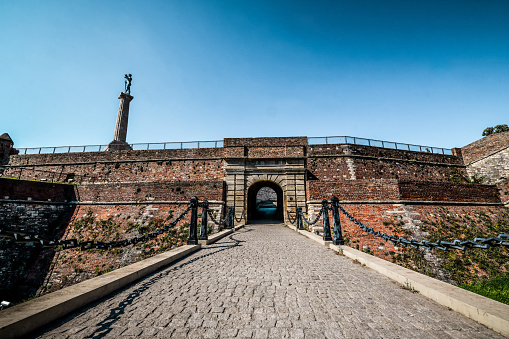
(32, 207)
(123, 193)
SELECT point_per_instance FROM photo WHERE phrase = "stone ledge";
(312, 236)
(27, 317)
(215, 237)
(488, 312)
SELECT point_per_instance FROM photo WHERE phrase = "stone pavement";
(266, 281)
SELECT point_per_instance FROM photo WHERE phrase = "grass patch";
(496, 288)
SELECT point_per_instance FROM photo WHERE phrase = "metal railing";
(220, 144)
(134, 146)
(377, 143)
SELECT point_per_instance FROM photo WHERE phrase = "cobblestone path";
(266, 281)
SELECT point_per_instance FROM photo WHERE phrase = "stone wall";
(447, 191)
(488, 158)
(352, 162)
(484, 147)
(125, 166)
(6, 150)
(503, 188)
(31, 207)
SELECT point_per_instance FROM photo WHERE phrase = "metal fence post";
(231, 217)
(193, 236)
(326, 225)
(298, 215)
(203, 228)
(337, 236)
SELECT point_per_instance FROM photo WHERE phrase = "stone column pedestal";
(120, 134)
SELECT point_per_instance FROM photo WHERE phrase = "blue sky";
(431, 72)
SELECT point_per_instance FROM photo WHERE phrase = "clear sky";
(424, 72)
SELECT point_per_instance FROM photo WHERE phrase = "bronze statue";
(128, 80)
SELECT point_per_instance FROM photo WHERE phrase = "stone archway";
(252, 208)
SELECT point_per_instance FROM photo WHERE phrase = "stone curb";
(220, 235)
(491, 313)
(31, 315)
(312, 236)
(486, 311)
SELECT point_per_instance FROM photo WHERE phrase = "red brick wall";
(37, 191)
(503, 188)
(109, 223)
(447, 191)
(378, 152)
(485, 146)
(158, 191)
(343, 162)
(264, 142)
(169, 165)
(354, 190)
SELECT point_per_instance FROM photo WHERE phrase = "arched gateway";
(256, 205)
(254, 163)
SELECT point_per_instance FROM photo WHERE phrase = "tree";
(496, 129)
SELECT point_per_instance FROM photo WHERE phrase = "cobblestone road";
(266, 281)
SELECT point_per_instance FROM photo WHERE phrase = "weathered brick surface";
(162, 170)
(361, 162)
(39, 191)
(110, 223)
(378, 152)
(266, 142)
(391, 189)
(485, 146)
(23, 266)
(158, 191)
(503, 188)
(447, 191)
(491, 169)
(117, 156)
(377, 189)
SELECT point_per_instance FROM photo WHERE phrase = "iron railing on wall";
(377, 143)
(220, 143)
(135, 146)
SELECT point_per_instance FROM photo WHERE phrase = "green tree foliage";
(496, 129)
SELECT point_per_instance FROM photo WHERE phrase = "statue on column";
(119, 136)
(128, 80)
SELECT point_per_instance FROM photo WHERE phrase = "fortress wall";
(265, 147)
(151, 191)
(447, 191)
(125, 166)
(13, 189)
(488, 158)
(418, 221)
(503, 188)
(493, 168)
(351, 162)
(349, 190)
(115, 222)
(32, 207)
(485, 147)
(124, 194)
(379, 152)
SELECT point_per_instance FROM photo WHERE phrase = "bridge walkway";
(266, 281)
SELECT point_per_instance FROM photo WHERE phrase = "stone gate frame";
(289, 174)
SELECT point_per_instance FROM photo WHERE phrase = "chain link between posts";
(22, 237)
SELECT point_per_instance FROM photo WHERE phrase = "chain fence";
(45, 242)
(337, 238)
